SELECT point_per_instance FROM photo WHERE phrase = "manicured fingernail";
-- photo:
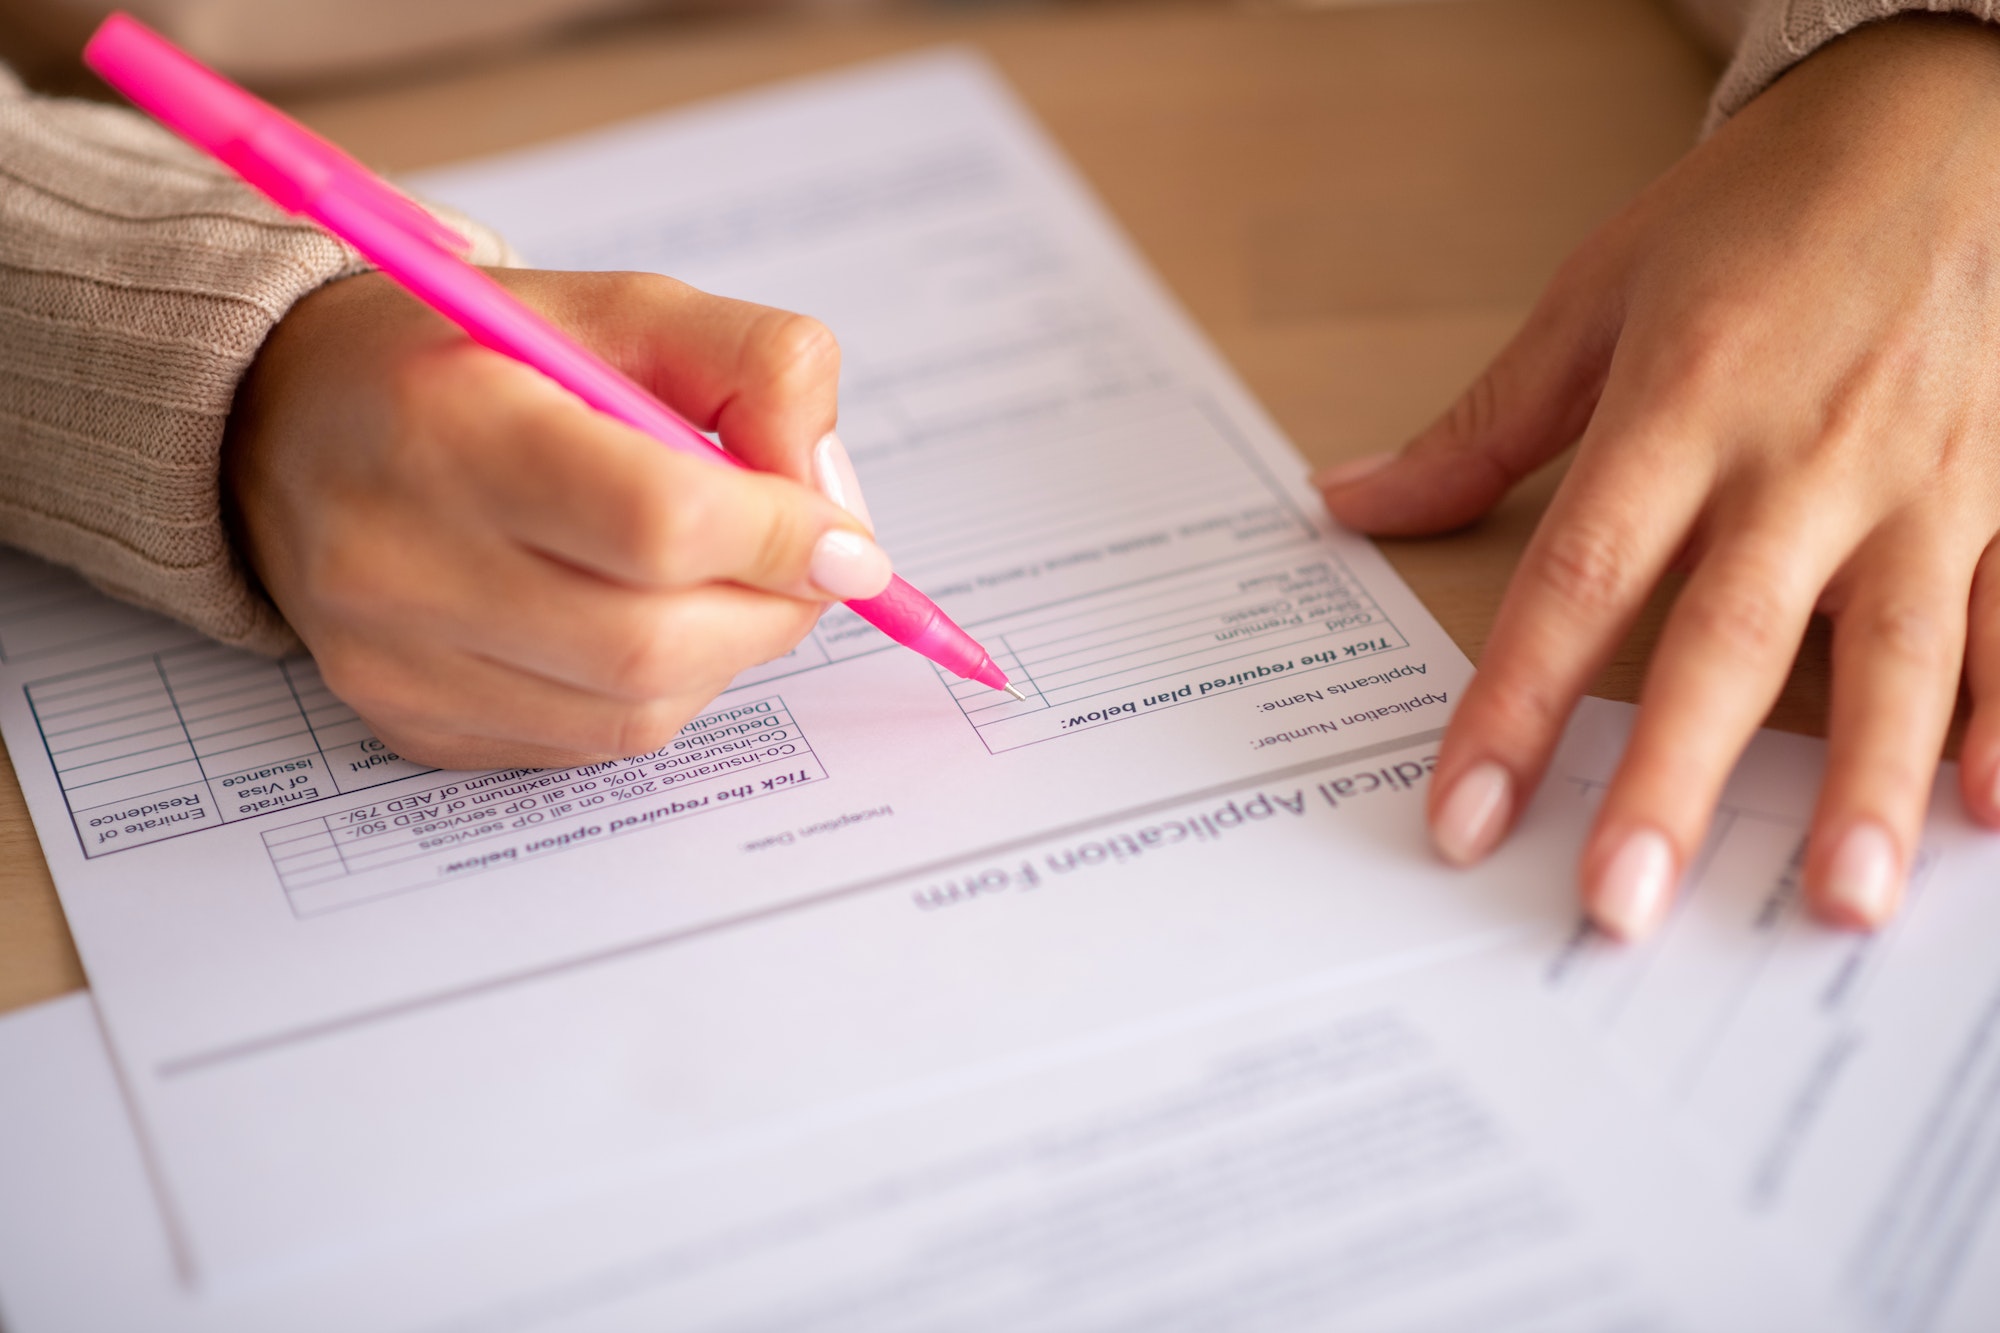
(1353, 470)
(1865, 876)
(1473, 814)
(1632, 890)
(833, 472)
(849, 566)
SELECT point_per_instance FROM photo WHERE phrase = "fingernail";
(1632, 890)
(1473, 814)
(1865, 875)
(1353, 470)
(833, 472)
(849, 566)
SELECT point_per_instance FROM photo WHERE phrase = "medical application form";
(860, 935)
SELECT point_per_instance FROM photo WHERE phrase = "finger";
(397, 579)
(631, 645)
(439, 749)
(419, 699)
(1532, 402)
(1898, 641)
(766, 380)
(1722, 657)
(1621, 515)
(588, 490)
(1979, 757)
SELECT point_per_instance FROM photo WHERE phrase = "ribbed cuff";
(1781, 33)
(137, 282)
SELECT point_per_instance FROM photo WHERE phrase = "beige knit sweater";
(137, 281)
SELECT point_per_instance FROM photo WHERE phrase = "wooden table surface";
(1358, 204)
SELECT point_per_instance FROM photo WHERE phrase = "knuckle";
(1581, 276)
(428, 382)
(622, 311)
(674, 658)
(644, 291)
(1871, 400)
(364, 681)
(1906, 632)
(644, 728)
(794, 353)
(663, 528)
(783, 622)
(415, 739)
(1706, 354)
(1587, 566)
(354, 577)
(782, 543)
(412, 384)
(1909, 770)
(1743, 618)
(790, 631)
(653, 663)
(410, 744)
(445, 418)
(1518, 707)
(1473, 414)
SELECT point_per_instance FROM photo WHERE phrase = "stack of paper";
(878, 1002)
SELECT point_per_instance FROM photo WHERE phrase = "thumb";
(596, 494)
(1529, 404)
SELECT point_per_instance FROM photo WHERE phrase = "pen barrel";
(918, 623)
(497, 319)
(304, 174)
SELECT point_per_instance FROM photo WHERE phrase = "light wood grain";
(1357, 204)
(37, 960)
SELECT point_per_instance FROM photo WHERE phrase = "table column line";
(333, 836)
(1007, 646)
(194, 751)
(292, 688)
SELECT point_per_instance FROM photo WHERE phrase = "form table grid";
(190, 738)
(1198, 634)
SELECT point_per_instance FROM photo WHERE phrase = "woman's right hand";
(494, 575)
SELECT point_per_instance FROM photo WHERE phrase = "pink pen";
(302, 173)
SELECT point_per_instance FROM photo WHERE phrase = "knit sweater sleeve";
(1771, 36)
(137, 281)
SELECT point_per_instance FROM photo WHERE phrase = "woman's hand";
(491, 573)
(1784, 364)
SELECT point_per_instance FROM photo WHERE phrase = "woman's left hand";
(1784, 363)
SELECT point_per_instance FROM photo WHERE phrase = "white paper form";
(322, 969)
(1845, 1087)
(1403, 1150)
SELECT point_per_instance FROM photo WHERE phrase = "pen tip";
(1017, 695)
